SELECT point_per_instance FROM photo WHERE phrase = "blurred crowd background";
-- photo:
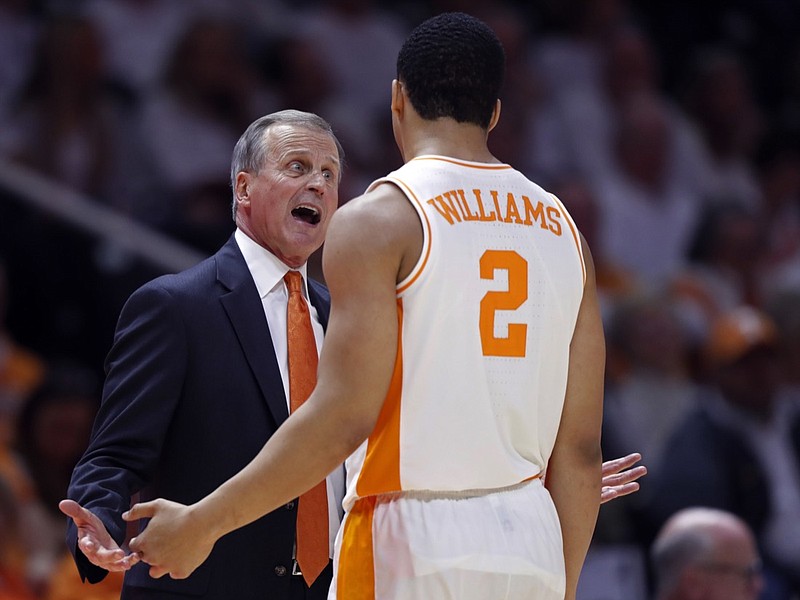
(670, 130)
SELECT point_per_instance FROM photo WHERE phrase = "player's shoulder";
(379, 222)
(384, 204)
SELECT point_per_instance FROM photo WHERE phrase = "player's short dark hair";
(452, 65)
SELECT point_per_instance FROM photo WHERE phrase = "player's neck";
(445, 137)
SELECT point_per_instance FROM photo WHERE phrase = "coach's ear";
(495, 115)
(241, 189)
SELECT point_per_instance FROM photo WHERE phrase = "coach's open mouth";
(306, 213)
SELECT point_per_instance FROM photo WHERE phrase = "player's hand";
(94, 540)
(173, 542)
(619, 479)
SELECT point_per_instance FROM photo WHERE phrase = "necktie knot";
(294, 282)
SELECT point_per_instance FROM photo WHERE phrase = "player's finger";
(131, 559)
(141, 510)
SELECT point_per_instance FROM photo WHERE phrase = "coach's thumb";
(70, 508)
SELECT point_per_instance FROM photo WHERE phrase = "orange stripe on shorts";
(355, 579)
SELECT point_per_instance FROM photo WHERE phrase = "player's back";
(486, 320)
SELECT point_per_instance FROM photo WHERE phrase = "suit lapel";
(246, 313)
(321, 300)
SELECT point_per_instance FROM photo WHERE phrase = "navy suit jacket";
(192, 393)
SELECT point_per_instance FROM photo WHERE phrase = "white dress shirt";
(268, 272)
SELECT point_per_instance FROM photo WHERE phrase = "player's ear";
(495, 115)
(398, 97)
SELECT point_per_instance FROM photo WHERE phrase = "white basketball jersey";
(485, 320)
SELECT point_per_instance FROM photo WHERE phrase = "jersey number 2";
(517, 269)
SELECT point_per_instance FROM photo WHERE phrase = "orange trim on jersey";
(355, 578)
(414, 275)
(380, 472)
(487, 166)
(575, 237)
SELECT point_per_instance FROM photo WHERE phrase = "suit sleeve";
(144, 374)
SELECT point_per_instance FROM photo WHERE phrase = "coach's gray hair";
(250, 151)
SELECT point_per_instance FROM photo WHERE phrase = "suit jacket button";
(289, 505)
(280, 570)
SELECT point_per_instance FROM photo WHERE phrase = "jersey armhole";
(419, 267)
(575, 236)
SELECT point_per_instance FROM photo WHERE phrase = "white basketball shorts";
(485, 545)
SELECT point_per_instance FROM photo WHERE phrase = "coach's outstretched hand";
(619, 479)
(94, 540)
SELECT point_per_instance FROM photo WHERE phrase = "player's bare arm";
(574, 471)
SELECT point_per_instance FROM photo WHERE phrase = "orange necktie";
(312, 509)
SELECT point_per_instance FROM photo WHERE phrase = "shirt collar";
(266, 268)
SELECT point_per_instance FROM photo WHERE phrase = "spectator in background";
(706, 554)
(65, 123)
(569, 56)
(581, 128)
(53, 431)
(748, 436)
(572, 63)
(589, 119)
(778, 165)
(718, 98)
(784, 308)
(68, 125)
(646, 215)
(138, 37)
(725, 266)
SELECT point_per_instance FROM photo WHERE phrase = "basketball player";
(462, 370)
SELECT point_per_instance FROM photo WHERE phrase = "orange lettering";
(534, 213)
(468, 215)
(555, 220)
(482, 213)
(494, 194)
(512, 212)
(448, 211)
